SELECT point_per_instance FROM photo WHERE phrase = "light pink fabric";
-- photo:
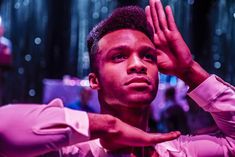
(218, 98)
(30, 130)
(213, 95)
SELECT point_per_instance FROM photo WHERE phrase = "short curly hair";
(128, 17)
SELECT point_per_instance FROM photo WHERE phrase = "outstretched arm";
(174, 56)
(211, 93)
(32, 130)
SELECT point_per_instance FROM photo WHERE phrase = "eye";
(150, 57)
(119, 57)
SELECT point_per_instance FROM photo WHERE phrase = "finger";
(166, 137)
(154, 15)
(161, 15)
(170, 19)
(149, 17)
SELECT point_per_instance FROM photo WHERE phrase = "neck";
(134, 116)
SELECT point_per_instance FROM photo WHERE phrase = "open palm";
(174, 56)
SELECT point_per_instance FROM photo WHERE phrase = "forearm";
(217, 97)
(101, 125)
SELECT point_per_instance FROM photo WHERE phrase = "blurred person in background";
(173, 117)
(82, 104)
(5, 48)
(5, 58)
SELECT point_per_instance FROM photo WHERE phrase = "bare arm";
(32, 130)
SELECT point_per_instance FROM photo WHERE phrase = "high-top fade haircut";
(129, 17)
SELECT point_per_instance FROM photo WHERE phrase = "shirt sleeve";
(217, 97)
(32, 130)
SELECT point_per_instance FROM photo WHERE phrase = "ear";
(94, 82)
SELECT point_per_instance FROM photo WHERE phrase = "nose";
(136, 65)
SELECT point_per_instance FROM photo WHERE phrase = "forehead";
(128, 37)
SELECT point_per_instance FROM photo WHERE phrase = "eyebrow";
(147, 48)
(125, 47)
(120, 47)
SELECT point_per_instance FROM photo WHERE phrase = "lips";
(137, 80)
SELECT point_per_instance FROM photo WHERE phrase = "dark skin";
(133, 72)
(126, 83)
(171, 50)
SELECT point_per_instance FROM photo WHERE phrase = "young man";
(126, 54)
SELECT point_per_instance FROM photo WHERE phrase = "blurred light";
(21, 70)
(26, 2)
(173, 81)
(95, 15)
(217, 65)
(104, 9)
(162, 86)
(37, 41)
(161, 105)
(85, 83)
(218, 31)
(0, 20)
(32, 92)
(28, 57)
(190, 2)
(17, 5)
(234, 15)
(186, 108)
(70, 82)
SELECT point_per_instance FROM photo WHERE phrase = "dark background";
(49, 38)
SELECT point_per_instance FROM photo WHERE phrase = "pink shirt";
(31, 130)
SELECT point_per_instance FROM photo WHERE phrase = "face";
(128, 73)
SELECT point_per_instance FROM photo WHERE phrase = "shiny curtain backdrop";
(85, 14)
(49, 38)
(25, 24)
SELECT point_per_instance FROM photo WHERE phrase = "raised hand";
(174, 56)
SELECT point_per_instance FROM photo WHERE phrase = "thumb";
(162, 137)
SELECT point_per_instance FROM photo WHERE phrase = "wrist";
(194, 75)
(101, 125)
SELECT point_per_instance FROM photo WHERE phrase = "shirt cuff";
(79, 121)
(208, 91)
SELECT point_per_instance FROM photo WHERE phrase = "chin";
(140, 99)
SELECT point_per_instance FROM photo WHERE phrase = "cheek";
(153, 70)
(113, 70)
(154, 75)
(110, 76)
